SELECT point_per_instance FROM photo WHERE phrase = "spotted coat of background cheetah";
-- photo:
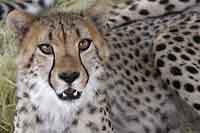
(66, 84)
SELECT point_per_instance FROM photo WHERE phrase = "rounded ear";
(19, 22)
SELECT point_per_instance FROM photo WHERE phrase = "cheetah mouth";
(70, 94)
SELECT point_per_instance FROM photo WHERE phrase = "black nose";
(69, 77)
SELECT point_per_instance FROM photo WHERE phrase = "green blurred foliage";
(7, 78)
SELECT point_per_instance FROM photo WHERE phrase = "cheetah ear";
(19, 22)
(98, 12)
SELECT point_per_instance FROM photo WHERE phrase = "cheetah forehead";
(66, 29)
(56, 18)
(58, 23)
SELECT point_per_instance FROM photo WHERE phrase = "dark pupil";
(84, 44)
(45, 48)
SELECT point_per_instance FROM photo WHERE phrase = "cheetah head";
(65, 50)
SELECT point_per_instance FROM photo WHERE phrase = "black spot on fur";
(196, 106)
(75, 122)
(191, 69)
(190, 51)
(170, 7)
(38, 120)
(176, 84)
(189, 87)
(185, 57)
(179, 39)
(171, 57)
(160, 47)
(160, 63)
(144, 12)
(92, 126)
(176, 71)
(176, 49)
(196, 39)
(164, 1)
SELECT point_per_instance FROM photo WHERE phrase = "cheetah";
(76, 74)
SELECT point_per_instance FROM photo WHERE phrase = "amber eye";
(46, 48)
(84, 44)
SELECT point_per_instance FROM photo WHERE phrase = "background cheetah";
(137, 95)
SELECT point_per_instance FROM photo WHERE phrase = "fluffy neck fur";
(39, 110)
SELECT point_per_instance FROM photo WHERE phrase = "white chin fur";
(58, 113)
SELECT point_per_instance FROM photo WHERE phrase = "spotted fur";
(141, 9)
(151, 70)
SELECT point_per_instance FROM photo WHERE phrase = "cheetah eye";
(46, 48)
(84, 44)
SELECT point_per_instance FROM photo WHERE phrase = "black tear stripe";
(88, 75)
(51, 70)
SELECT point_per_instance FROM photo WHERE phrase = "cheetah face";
(64, 50)
(68, 66)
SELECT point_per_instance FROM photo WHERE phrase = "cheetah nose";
(69, 77)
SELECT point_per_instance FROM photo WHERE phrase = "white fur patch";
(55, 113)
